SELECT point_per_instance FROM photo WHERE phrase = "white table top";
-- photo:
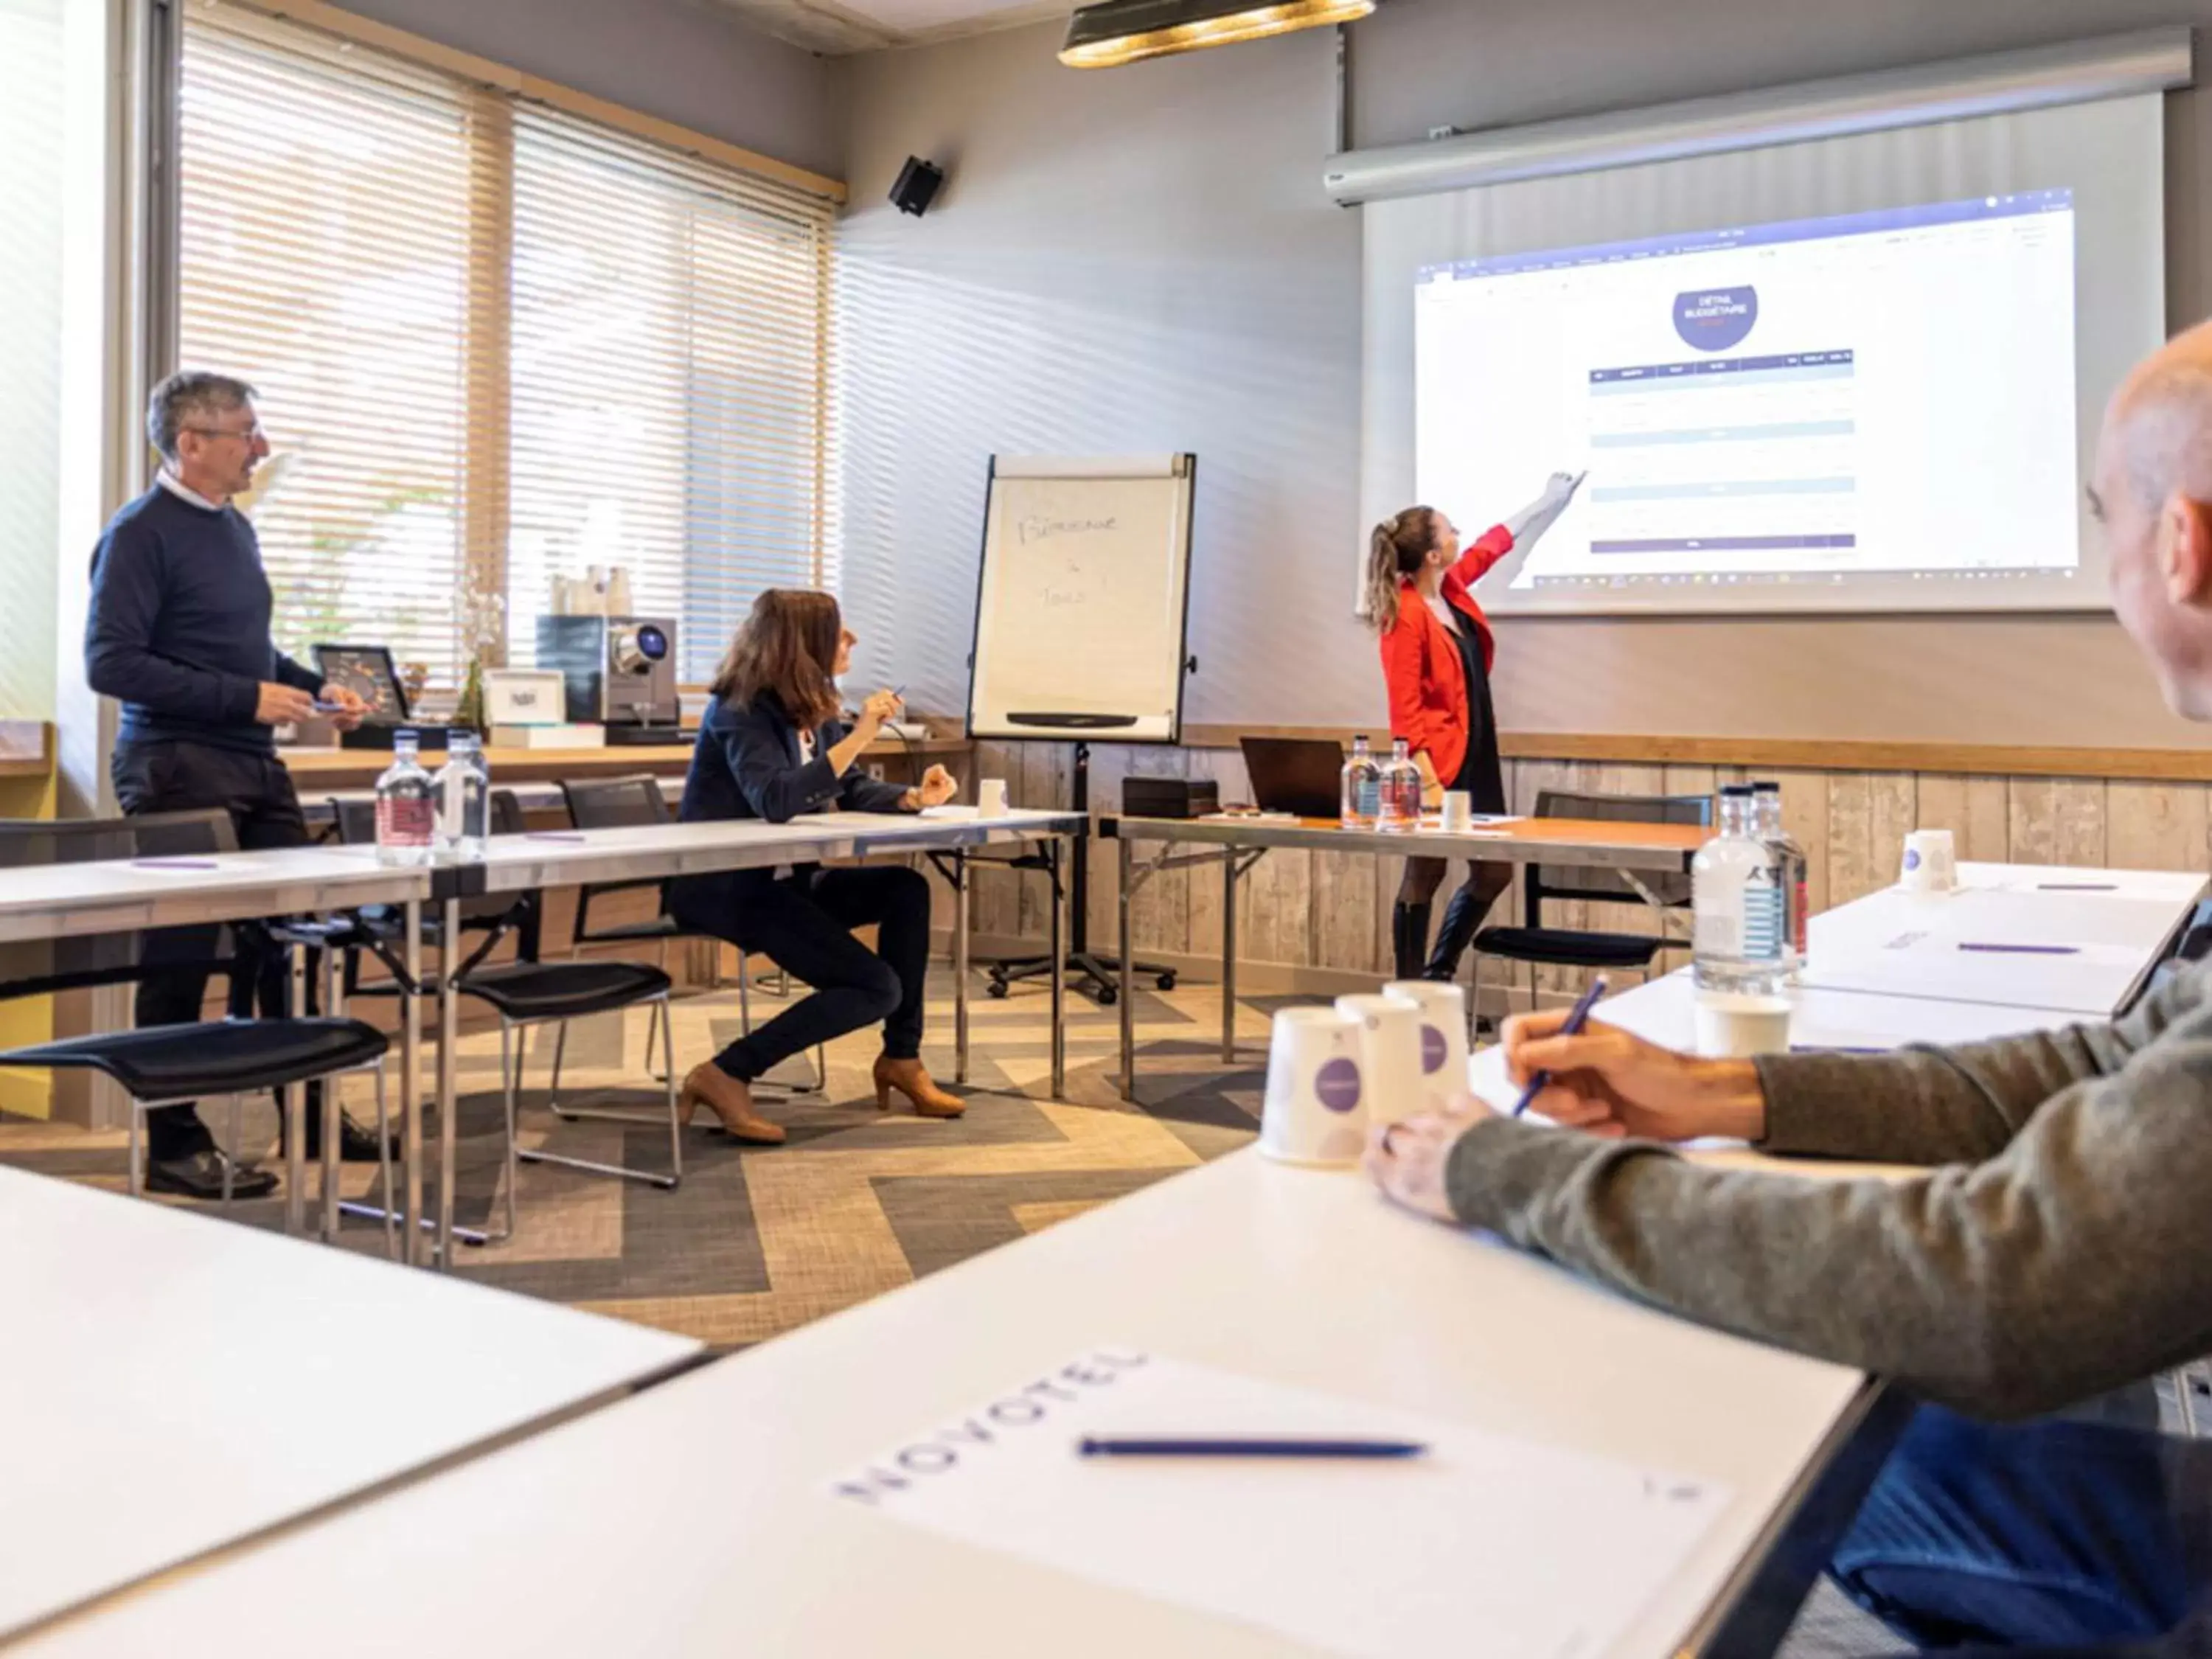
(1908, 943)
(112, 896)
(567, 858)
(172, 1384)
(694, 1519)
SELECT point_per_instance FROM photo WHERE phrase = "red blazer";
(1421, 662)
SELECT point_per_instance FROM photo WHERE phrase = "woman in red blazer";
(1436, 656)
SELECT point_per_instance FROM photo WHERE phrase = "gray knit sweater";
(2063, 1248)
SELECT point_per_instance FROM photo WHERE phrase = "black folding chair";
(1569, 947)
(175, 1065)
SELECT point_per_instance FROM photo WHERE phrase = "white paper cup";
(1389, 1055)
(1444, 1038)
(991, 798)
(1458, 810)
(1315, 1108)
(1735, 1025)
(1930, 864)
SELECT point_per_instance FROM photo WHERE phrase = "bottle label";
(403, 821)
(1762, 922)
(1367, 796)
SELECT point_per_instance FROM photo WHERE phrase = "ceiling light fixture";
(1128, 31)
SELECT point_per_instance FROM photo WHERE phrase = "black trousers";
(803, 924)
(255, 789)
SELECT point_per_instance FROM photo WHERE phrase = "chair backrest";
(614, 803)
(355, 821)
(44, 967)
(623, 803)
(1605, 887)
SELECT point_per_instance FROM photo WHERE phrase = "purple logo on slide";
(1432, 1048)
(1715, 318)
(1337, 1085)
(1912, 858)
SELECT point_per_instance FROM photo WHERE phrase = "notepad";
(1489, 1544)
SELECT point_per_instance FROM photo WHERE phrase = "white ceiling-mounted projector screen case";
(1861, 373)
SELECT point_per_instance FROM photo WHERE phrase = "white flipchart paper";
(1487, 1544)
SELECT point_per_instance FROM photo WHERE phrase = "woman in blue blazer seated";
(771, 746)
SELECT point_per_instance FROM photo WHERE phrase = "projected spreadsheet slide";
(1806, 401)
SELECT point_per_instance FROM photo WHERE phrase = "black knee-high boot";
(1462, 917)
(1409, 939)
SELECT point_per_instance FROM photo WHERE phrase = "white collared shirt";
(183, 492)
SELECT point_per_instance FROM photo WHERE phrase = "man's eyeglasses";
(250, 433)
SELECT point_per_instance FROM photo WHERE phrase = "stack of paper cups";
(1444, 1038)
(1389, 1055)
(1314, 1109)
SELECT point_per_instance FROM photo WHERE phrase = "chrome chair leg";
(668, 1080)
(136, 1185)
(668, 1181)
(509, 1084)
(230, 1158)
(333, 1119)
(560, 1053)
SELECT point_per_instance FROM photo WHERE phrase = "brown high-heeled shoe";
(732, 1102)
(910, 1079)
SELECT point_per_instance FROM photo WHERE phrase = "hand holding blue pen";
(1575, 1021)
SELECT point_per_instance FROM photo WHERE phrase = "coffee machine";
(619, 672)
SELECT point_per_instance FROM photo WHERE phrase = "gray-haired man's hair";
(187, 396)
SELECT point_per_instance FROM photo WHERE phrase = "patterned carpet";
(759, 1240)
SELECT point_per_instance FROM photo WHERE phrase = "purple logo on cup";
(1432, 1048)
(1912, 858)
(1715, 318)
(1337, 1085)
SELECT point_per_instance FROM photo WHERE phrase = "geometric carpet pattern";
(759, 1240)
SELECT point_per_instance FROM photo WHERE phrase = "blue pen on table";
(553, 835)
(1575, 1021)
(1999, 948)
(1124, 1446)
(173, 864)
(2077, 887)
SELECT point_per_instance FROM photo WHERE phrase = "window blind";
(496, 344)
(668, 375)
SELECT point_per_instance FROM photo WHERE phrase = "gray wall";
(1134, 261)
(1142, 258)
(691, 62)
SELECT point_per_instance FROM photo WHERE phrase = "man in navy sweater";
(178, 634)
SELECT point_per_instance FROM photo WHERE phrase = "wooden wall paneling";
(1044, 781)
(1805, 815)
(995, 895)
(1161, 912)
(1531, 779)
(1203, 884)
(2058, 821)
(1109, 764)
(1345, 931)
(1975, 810)
(2157, 826)
(1869, 814)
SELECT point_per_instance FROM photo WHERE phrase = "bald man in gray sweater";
(2059, 1245)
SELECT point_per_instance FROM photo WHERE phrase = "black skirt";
(1481, 773)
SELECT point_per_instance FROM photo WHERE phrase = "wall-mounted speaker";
(917, 186)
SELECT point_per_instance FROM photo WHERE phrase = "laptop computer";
(1304, 776)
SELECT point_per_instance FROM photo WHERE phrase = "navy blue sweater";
(746, 765)
(179, 626)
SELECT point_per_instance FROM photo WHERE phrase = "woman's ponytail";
(1394, 551)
